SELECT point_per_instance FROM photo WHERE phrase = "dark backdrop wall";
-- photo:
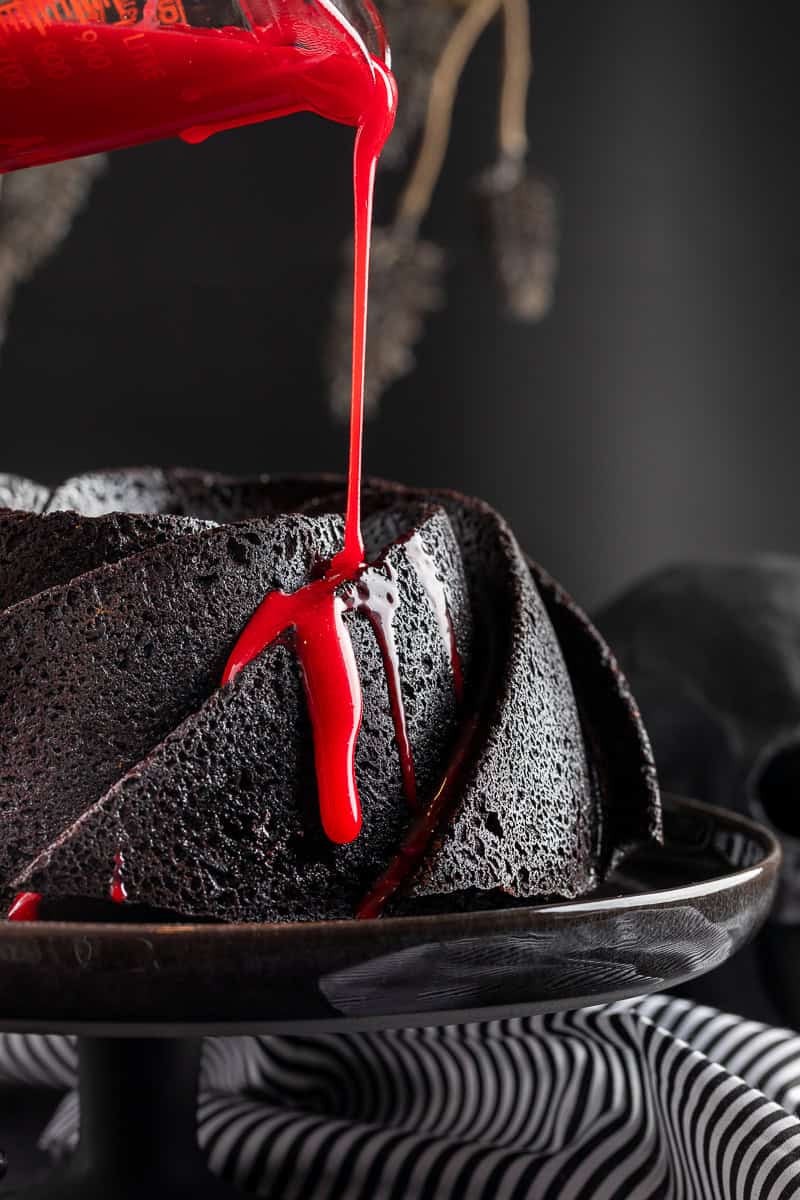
(651, 417)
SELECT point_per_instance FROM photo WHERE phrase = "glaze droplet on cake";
(123, 595)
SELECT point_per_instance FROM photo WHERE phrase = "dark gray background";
(651, 417)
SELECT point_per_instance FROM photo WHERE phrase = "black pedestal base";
(71, 1185)
(138, 1127)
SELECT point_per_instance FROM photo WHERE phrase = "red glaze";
(333, 689)
(116, 889)
(332, 686)
(25, 907)
(330, 675)
(315, 612)
(420, 831)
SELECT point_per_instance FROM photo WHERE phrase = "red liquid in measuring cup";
(71, 87)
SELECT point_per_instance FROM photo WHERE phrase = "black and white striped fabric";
(653, 1098)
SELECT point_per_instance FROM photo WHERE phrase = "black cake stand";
(141, 997)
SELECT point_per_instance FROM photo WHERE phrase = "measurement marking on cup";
(143, 57)
(12, 73)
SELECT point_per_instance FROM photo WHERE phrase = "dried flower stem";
(416, 198)
(513, 126)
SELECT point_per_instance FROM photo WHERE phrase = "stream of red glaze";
(316, 615)
(315, 612)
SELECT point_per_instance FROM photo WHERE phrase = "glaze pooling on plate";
(117, 739)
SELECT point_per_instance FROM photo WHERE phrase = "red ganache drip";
(316, 611)
(116, 889)
(332, 685)
(25, 907)
(421, 830)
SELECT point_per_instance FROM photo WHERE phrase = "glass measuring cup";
(81, 76)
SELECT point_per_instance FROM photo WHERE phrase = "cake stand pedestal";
(141, 997)
(138, 1101)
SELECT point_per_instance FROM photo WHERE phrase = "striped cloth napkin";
(645, 1099)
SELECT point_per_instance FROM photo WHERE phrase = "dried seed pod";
(406, 283)
(417, 32)
(37, 208)
(519, 223)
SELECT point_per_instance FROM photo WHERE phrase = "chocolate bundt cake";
(507, 761)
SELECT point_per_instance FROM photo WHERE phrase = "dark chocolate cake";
(123, 759)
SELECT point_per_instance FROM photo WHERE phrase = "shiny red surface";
(69, 87)
(25, 907)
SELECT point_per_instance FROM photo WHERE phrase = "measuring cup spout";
(103, 74)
